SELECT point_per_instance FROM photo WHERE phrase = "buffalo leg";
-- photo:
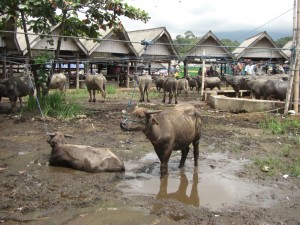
(184, 153)
(196, 152)
(164, 159)
(90, 92)
(147, 93)
(164, 99)
(170, 97)
(94, 95)
(175, 98)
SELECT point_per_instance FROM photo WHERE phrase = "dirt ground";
(227, 188)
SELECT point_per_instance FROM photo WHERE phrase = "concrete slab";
(239, 105)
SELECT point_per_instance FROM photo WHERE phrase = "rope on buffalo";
(146, 44)
(36, 98)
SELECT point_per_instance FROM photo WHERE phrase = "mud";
(226, 188)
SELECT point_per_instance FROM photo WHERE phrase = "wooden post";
(77, 71)
(294, 63)
(185, 68)
(127, 75)
(203, 76)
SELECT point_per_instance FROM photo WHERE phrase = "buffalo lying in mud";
(82, 157)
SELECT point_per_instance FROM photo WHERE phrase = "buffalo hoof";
(94, 100)
(90, 100)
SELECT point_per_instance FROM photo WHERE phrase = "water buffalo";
(173, 128)
(236, 82)
(144, 86)
(96, 82)
(192, 82)
(275, 89)
(82, 157)
(15, 88)
(209, 82)
(170, 85)
(58, 81)
(183, 85)
(255, 87)
(159, 83)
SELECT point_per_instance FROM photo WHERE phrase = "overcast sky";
(248, 17)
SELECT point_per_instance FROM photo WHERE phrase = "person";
(249, 69)
(258, 69)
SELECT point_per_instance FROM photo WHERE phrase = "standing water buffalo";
(96, 82)
(16, 87)
(58, 81)
(236, 82)
(255, 86)
(173, 128)
(192, 82)
(170, 85)
(183, 85)
(82, 157)
(275, 89)
(209, 82)
(159, 83)
(144, 86)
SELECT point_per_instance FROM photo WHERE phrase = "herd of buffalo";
(166, 129)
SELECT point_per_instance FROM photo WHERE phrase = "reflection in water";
(181, 194)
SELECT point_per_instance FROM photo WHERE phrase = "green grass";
(280, 126)
(110, 89)
(54, 105)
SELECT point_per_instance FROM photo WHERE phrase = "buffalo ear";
(153, 120)
(148, 112)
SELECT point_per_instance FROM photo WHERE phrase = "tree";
(282, 41)
(186, 42)
(40, 15)
(231, 45)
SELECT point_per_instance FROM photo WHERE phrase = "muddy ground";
(227, 188)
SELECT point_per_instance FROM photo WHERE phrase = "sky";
(232, 19)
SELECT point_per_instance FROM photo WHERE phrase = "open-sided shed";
(154, 46)
(209, 48)
(260, 47)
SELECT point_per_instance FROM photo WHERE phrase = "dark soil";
(32, 192)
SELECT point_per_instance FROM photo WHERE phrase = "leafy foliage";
(186, 42)
(282, 41)
(231, 45)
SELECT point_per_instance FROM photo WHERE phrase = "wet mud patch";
(213, 186)
(32, 192)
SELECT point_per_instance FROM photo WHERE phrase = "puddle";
(213, 185)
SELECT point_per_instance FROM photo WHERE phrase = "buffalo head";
(138, 120)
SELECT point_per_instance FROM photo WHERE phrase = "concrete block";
(238, 105)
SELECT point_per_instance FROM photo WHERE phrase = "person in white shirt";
(249, 69)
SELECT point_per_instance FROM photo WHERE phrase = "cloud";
(218, 16)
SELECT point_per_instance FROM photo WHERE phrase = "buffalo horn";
(51, 134)
(152, 111)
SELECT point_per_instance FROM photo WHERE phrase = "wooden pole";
(203, 78)
(294, 57)
(296, 81)
(77, 71)
(127, 75)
